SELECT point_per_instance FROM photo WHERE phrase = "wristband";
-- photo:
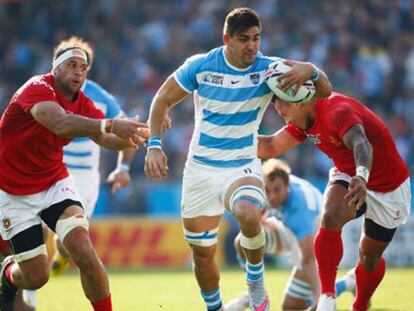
(107, 126)
(154, 142)
(103, 126)
(123, 167)
(315, 75)
(362, 172)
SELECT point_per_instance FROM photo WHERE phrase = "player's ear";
(226, 38)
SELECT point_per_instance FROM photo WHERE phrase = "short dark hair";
(241, 19)
(74, 43)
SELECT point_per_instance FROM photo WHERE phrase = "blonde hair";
(274, 168)
(72, 43)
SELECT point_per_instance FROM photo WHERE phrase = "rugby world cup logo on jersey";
(213, 79)
(255, 78)
(314, 138)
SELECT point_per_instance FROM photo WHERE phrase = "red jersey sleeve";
(298, 134)
(35, 92)
(343, 118)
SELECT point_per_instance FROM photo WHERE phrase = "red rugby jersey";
(31, 155)
(334, 116)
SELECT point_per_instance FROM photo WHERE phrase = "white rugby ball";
(304, 94)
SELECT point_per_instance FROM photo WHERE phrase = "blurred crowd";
(365, 47)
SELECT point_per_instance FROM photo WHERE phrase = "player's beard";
(67, 89)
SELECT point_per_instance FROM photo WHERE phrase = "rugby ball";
(304, 94)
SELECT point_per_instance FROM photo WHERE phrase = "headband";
(69, 54)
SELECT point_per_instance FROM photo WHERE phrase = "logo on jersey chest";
(214, 79)
(255, 78)
(314, 138)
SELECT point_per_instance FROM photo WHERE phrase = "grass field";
(177, 291)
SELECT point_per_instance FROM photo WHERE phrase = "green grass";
(177, 291)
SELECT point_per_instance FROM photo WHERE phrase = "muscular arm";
(53, 117)
(322, 85)
(112, 141)
(276, 144)
(356, 140)
(170, 94)
(309, 265)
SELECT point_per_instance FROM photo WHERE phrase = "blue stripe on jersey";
(78, 167)
(225, 143)
(77, 153)
(220, 163)
(231, 95)
(80, 139)
(223, 119)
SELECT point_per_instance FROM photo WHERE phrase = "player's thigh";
(201, 192)
(245, 181)
(335, 209)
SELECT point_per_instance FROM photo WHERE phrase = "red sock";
(328, 252)
(367, 283)
(7, 273)
(102, 305)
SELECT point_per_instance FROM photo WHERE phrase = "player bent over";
(35, 187)
(369, 178)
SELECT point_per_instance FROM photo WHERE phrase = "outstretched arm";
(356, 140)
(274, 145)
(129, 132)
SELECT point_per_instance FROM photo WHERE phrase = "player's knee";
(333, 218)
(65, 226)
(244, 198)
(253, 243)
(369, 258)
(36, 278)
(203, 256)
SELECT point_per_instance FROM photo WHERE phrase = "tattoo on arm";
(356, 140)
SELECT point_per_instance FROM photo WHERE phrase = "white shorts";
(387, 209)
(205, 187)
(87, 185)
(20, 212)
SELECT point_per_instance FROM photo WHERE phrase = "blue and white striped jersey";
(302, 207)
(229, 105)
(83, 153)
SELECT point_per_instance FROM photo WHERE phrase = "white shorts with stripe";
(20, 212)
(387, 209)
(204, 187)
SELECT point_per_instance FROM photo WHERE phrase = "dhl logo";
(141, 243)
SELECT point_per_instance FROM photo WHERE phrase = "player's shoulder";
(39, 83)
(200, 59)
